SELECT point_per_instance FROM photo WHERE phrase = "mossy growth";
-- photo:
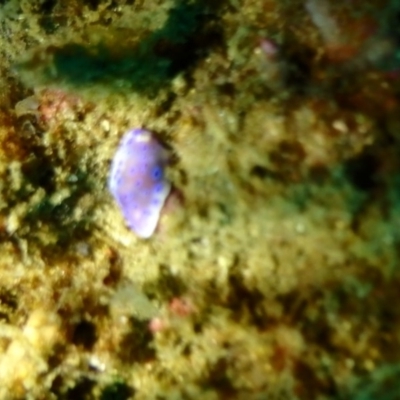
(49, 199)
(289, 216)
(382, 384)
(120, 62)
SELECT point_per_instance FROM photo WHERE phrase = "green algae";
(145, 66)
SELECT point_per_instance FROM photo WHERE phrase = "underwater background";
(274, 270)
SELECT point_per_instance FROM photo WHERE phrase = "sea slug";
(137, 180)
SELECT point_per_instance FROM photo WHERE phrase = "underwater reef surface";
(274, 269)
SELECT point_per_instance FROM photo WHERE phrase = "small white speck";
(340, 126)
(96, 364)
(105, 125)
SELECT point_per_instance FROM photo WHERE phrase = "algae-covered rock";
(274, 269)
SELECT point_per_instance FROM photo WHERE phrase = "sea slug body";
(137, 180)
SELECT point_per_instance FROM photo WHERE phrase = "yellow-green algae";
(284, 247)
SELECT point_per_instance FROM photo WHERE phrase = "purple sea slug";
(137, 180)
